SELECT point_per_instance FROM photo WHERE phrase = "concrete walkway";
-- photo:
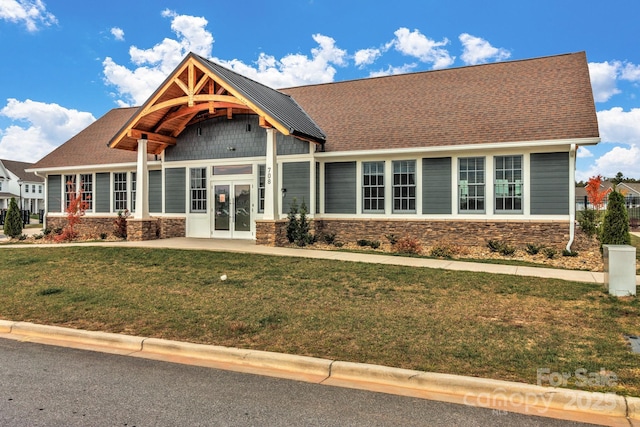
(248, 246)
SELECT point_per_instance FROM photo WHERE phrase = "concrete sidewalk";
(249, 246)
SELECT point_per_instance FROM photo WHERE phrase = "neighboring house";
(457, 155)
(630, 190)
(26, 187)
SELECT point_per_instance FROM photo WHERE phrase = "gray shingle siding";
(155, 191)
(174, 191)
(54, 191)
(436, 185)
(295, 178)
(103, 192)
(549, 183)
(221, 138)
(340, 187)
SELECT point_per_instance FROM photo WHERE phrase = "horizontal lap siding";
(436, 185)
(340, 187)
(550, 183)
(54, 191)
(155, 191)
(103, 192)
(295, 178)
(175, 193)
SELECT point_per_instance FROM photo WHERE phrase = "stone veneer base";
(92, 227)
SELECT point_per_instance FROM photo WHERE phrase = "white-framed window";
(373, 187)
(471, 185)
(26, 188)
(33, 188)
(508, 184)
(0, 185)
(119, 191)
(86, 184)
(404, 186)
(198, 179)
(39, 189)
(69, 189)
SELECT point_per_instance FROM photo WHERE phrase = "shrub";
(22, 237)
(13, 221)
(338, 244)
(103, 236)
(75, 210)
(121, 224)
(363, 242)
(441, 251)
(588, 221)
(408, 245)
(375, 244)
(495, 245)
(292, 221)
(615, 226)
(329, 238)
(566, 252)
(392, 238)
(533, 249)
(507, 250)
(298, 225)
(550, 253)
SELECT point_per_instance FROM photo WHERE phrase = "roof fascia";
(98, 168)
(464, 147)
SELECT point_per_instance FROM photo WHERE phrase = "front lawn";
(477, 324)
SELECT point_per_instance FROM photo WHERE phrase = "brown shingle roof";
(89, 147)
(18, 168)
(527, 100)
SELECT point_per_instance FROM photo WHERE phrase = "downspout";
(572, 195)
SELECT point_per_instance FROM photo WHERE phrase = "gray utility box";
(620, 269)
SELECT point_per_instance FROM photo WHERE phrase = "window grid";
(261, 185)
(86, 184)
(133, 191)
(404, 186)
(69, 189)
(26, 188)
(120, 191)
(471, 185)
(508, 183)
(198, 190)
(373, 187)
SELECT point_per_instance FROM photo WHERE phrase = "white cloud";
(294, 69)
(45, 126)
(478, 51)
(366, 56)
(133, 87)
(619, 126)
(619, 159)
(117, 33)
(33, 13)
(413, 43)
(603, 80)
(630, 72)
(584, 153)
(403, 69)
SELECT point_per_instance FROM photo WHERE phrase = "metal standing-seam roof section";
(277, 105)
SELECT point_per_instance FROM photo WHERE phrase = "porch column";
(142, 182)
(271, 185)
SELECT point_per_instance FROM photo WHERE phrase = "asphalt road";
(54, 386)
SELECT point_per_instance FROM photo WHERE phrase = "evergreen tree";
(13, 221)
(292, 225)
(615, 227)
(304, 237)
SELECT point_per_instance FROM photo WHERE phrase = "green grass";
(477, 324)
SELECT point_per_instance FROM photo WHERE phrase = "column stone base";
(271, 233)
(142, 229)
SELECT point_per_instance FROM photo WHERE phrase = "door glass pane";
(243, 207)
(222, 207)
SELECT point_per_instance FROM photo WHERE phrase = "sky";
(65, 63)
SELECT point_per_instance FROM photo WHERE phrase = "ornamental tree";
(594, 194)
(13, 220)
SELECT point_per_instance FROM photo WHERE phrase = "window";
(133, 192)
(119, 191)
(26, 188)
(0, 185)
(198, 190)
(471, 184)
(86, 184)
(40, 189)
(33, 188)
(261, 181)
(233, 170)
(508, 183)
(69, 189)
(373, 187)
(404, 186)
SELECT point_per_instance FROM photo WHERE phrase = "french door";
(232, 211)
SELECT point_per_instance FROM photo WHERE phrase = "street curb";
(487, 392)
(253, 358)
(472, 391)
(103, 339)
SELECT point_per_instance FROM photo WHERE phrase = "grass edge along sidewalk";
(476, 324)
